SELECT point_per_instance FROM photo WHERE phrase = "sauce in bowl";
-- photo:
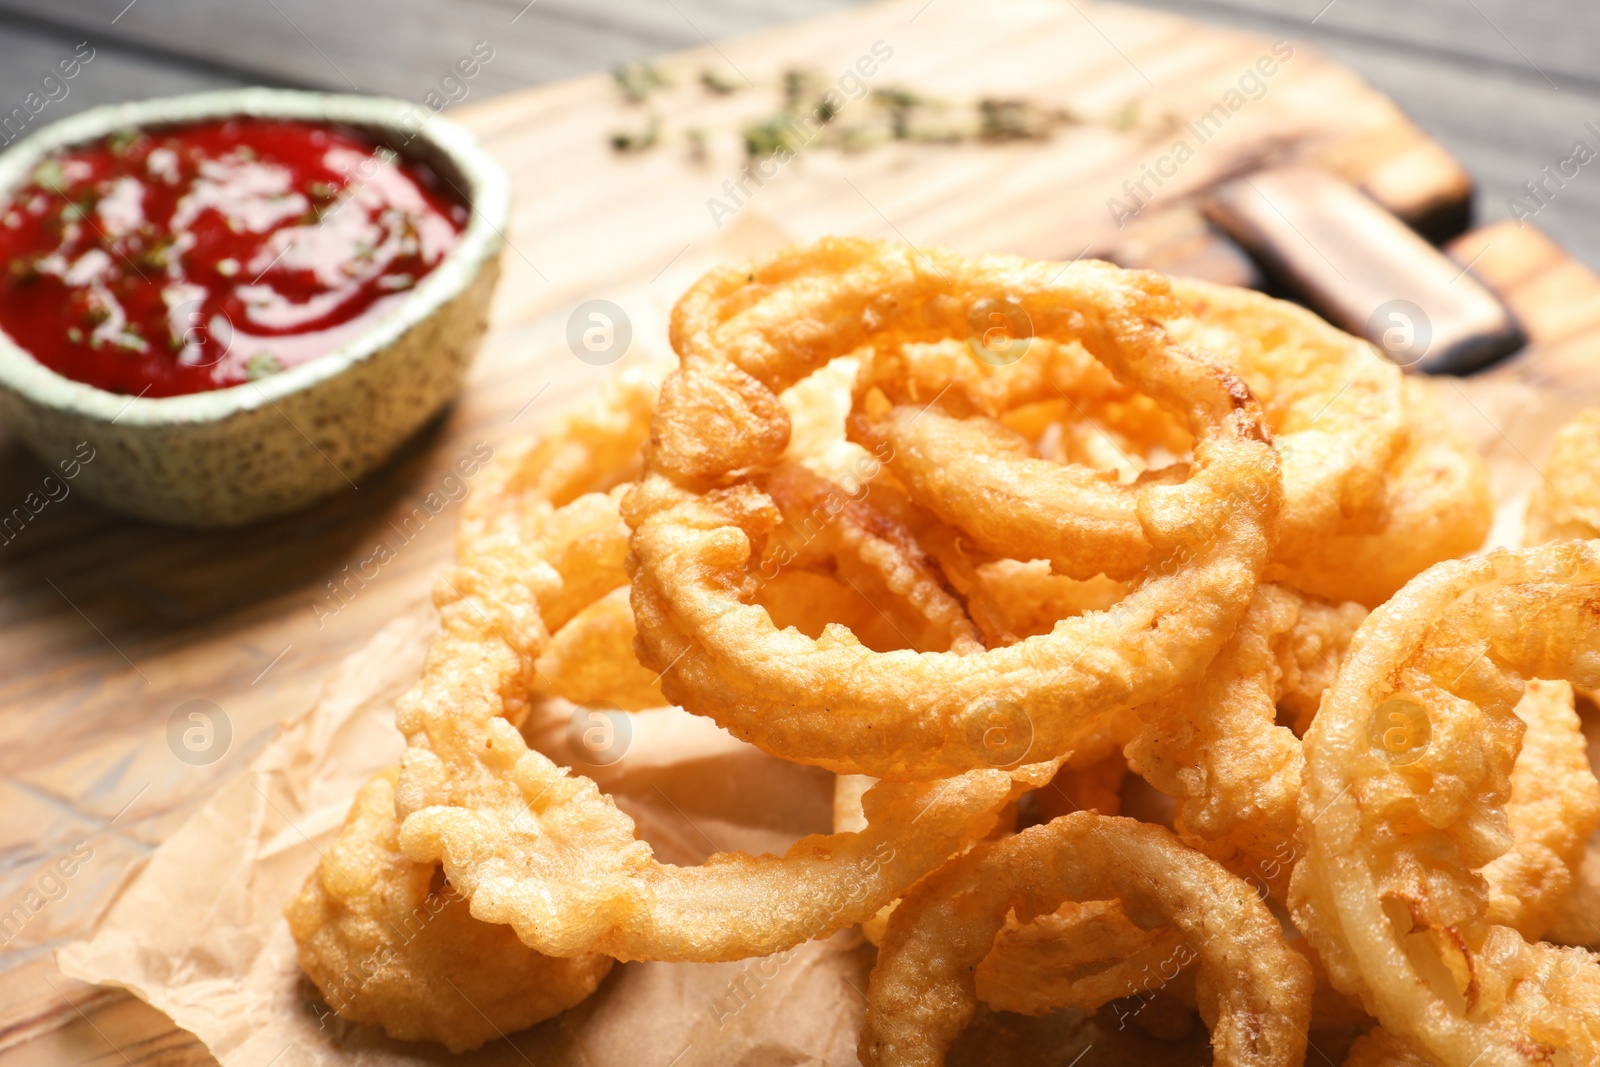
(177, 260)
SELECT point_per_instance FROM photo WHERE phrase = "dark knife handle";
(1364, 270)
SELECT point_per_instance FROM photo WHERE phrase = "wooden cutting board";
(108, 626)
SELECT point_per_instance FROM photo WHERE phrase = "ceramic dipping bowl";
(248, 452)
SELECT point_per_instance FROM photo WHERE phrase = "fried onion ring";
(1439, 508)
(543, 850)
(591, 658)
(1081, 955)
(1566, 502)
(1379, 1048)
(1553, 809)
(1336, 408)
(1408, 774)
(744, 334)
(1254, 991)
(1377, 485)
(389, 942)
(1216, 746)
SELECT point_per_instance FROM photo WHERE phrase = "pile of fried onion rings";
(1128, 612)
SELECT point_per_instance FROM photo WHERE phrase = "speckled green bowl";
(236, 455)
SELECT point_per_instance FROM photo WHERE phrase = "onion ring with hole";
(542, 850)
(1336, 409)
(1254, 991)
(1409, 767)
(1377, 485)
(743, 334)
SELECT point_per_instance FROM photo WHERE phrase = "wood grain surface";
(109, 627)
(1556, 298)
(1506, 87)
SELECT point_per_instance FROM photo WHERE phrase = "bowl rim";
(488, 199)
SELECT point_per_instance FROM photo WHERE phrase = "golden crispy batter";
(980, 527)
(1553, 810)
(1336, 408)
(354, 915)
(1216, 746)
(1253, 990)
(1566, 504)
(1380, 1048)
(1081, 955)
(824, 528)
(1047, 379)
(754, 330)
(1007, 599)
(810, 600)
(1336, 411)
(1377, 485)
(1579, 923)
(1409, 771)
(1010, 600)
(1310, 654)
(543, 850)
(389, 942)
(1566, 501)
(1085, 521)
(591, 658)
(1439, 508)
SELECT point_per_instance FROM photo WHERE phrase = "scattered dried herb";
(762, 139)
(638, 78)
(1018, 120)
(637, 140)
(122, 140)
(51, 175)
(718, 82)
(261, 365)
(813, 109)
(1125, 117)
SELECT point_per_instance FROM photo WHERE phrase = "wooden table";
(1506, 86)
(107, 626)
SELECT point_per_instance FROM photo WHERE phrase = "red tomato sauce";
(177, 260)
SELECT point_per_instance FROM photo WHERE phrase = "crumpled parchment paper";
(200, 935)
